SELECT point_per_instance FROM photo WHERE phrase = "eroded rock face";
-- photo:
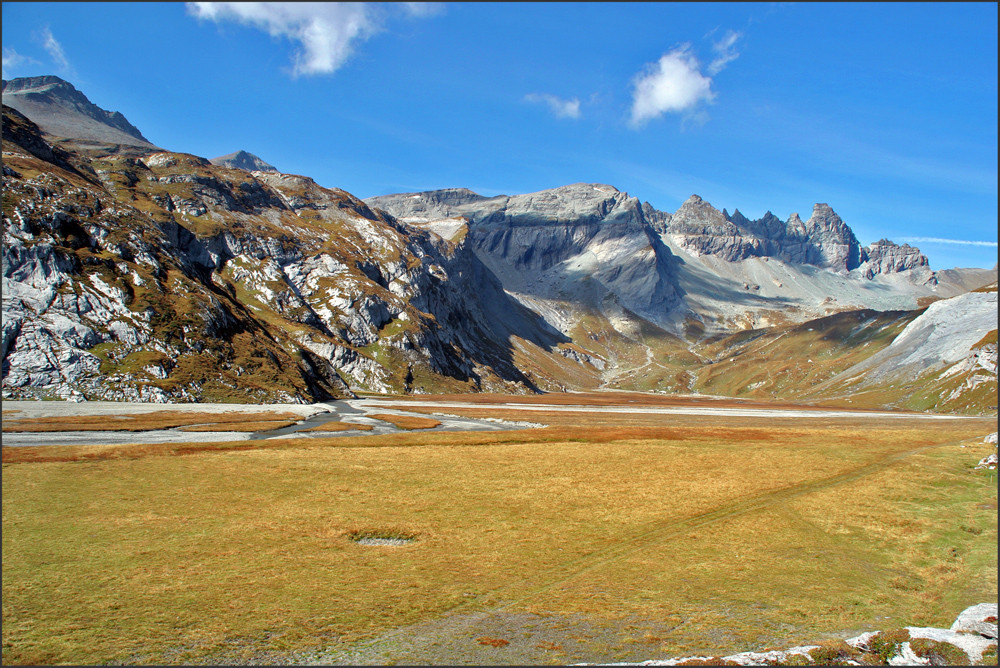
(823, 241)
(166, 278)
(885, 257)
(700, 227)
(550, 243)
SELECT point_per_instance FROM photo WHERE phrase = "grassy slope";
(743, 537)
(787, 361)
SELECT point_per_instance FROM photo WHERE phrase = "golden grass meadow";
(728, 534)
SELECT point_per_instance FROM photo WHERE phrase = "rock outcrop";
(885, 257)
(823, 241)
(586, 242)
(972, 636)
(167, 278)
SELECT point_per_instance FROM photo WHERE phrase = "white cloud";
(672, 84)
(54, 48)
(326, 31)
(961, 242)
(725, 52)
(422, 9)
(560, 107)
(13, 59)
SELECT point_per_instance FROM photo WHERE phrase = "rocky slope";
(946, 357)
(941, 358)
(971, 640)
(698, 264)
(60, 109)
(582, 244)
(165, 277)
(135, 273)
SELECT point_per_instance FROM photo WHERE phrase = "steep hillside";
(135, 273)
(944, 360)
(698, 271)
(164, 277)
(558, 249)
(941, 358)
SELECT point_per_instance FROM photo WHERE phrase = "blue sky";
(888, 112)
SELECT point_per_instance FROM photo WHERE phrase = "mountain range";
(135, 273)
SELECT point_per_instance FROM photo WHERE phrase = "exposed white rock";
(970, 633)
(941, 336)
(907, 657)
(769, 658)
(974, 618)
(988, 462)
(972, 644)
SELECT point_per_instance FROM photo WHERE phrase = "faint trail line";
(570, 569)
(573, 568)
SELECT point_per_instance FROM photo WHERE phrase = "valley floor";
(307, 418)
(618, 527)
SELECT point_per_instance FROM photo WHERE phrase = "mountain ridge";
(243, 160)
(59, 109)
(153, 275)
(706, 261)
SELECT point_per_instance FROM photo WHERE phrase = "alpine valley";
(134, 273)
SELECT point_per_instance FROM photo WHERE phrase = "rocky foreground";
(971, 640)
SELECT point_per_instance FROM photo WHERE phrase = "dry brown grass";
(340, 426)
(138, 557)
(260, 425)
(406, 421)
(493, 642)
(598, 399)
(139, 421)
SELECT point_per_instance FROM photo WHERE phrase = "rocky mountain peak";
(698, 216)
(59, 109)
(824, 218)
(836, 244)
(42, 84)
(243, 160)
(887, 257)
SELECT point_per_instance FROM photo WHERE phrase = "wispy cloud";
(54, 49)
(958, 242)
(725, 51)
(672, 84)
(675, 83)
(423, 8)
(560, 107)
(326, 32)
(12, 59)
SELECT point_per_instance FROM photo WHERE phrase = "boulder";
(981, 619)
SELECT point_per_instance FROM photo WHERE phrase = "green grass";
(226, 553)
